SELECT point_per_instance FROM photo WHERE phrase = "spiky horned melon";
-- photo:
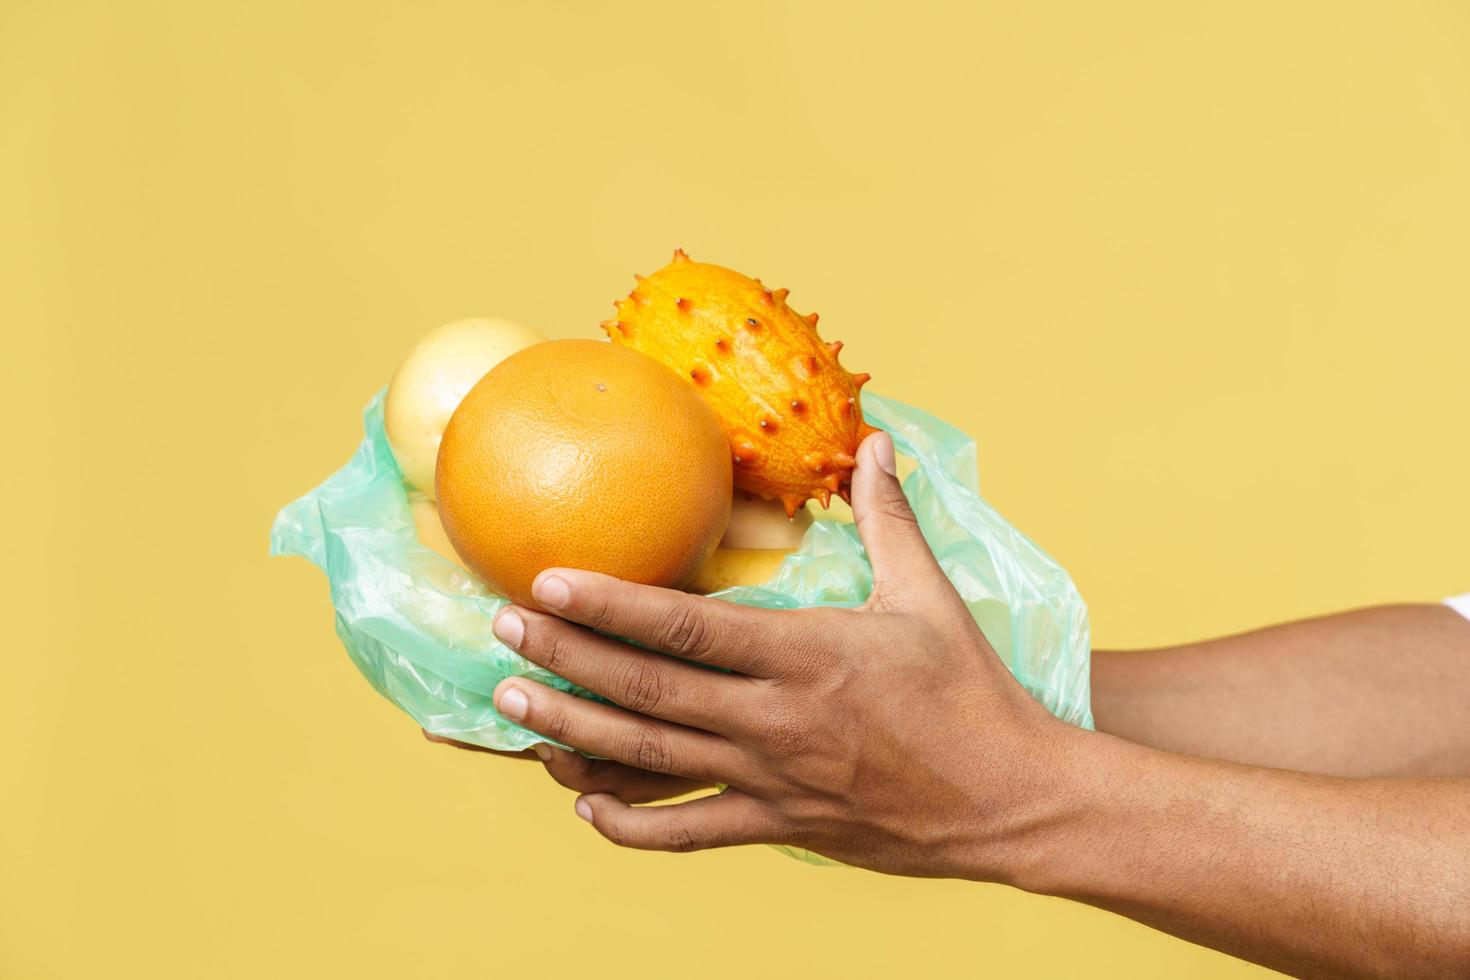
(790, 410)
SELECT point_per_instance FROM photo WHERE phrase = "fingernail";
(551, 590)
(513, 703)
(509, 628)
(542, 750)
(883, 453)
(584, 809)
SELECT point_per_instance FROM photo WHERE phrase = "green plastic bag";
(418, 626)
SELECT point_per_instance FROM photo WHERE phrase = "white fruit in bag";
(431, 382)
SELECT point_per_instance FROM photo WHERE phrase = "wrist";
(1082, 776)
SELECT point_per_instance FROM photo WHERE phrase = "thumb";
(903, 565)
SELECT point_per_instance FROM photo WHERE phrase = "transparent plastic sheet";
(418, 626)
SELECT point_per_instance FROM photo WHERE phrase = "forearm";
(1374, 692)
(1309, 874)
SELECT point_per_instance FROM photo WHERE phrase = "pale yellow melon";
(756, 541)
(433, 380)
(729, 567)
(762, 524)
(429, 528)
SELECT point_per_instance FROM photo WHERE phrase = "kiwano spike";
(682, 304)
(815, 462)
(833, 348)
(611, 325)
(824, 496)
(845, 461)
(846, 494)
(780, 295)
(858, 380)
(680, 255)
(792, 503)
(831, 481)
(811, 318)
(637, 277)
(766, 298)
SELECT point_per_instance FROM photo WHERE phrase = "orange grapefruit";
(581, 454)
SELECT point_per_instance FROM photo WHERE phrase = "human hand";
(892, 737)
(889, 736)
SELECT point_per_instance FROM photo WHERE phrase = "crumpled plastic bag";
(418, 626)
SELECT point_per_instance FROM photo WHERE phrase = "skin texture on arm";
(891, 737)
(1312, 875)
(1374, 692)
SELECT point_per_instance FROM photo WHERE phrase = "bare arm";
(1312, 875)
(893, 738)
(1375, 692)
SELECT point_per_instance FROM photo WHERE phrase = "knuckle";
(555, 724)
(889, 596)
(599, 774)
(788, 740)
(639, 686)
(681, 838)
(650, 750)
(570, 779)
(598, 611)
(685, 632)
(889, 508)
(616, 831)
(895, 507)
(785, 735)
(807, 649)
(549, 645)
(572, 770)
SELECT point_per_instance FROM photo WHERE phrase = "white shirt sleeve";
(1460, 604)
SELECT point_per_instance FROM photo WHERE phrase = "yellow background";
(1194, 276)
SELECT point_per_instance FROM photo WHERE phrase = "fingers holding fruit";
(613, 467)
(610, 732)
(587, 481)
(636, 679)
(821, 745)
(752, 641)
